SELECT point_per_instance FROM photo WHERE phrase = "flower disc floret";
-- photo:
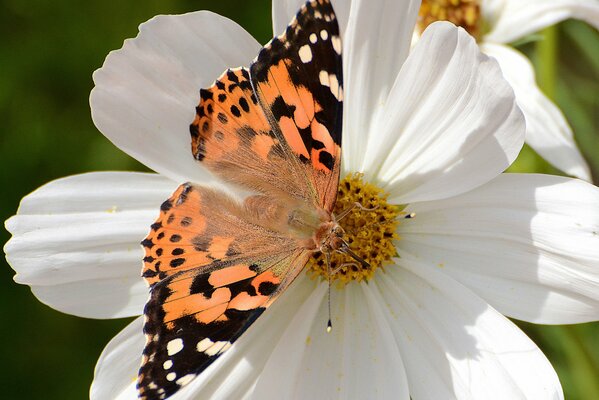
(464, 13)
(370, 230)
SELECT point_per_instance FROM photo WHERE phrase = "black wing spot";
(235, 111)
(326, 159)
(232, 76)
(167, 205)
(205, 94)
(176, 262)
(175, 238)
(267, 288)
(281, 109)
(243, 103)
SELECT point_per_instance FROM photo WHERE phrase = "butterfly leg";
(345, 212)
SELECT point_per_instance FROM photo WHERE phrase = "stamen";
(464, 13)
(370, 225)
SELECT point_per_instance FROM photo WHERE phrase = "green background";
(48, 51)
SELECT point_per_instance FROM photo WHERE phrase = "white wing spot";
(185, 380)
(330, 80)
(167, 364)
(324, 34)
(313, 38)
(171, 376)
(324, 78)
(216, 348)
(317, 14)
(174, 346)
(204, 344)
(305, 53)
(336, 44)
(335, 89)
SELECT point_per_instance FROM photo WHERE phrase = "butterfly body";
(215, 263)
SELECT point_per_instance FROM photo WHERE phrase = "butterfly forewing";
(299, 82)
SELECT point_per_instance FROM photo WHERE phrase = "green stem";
(547, 61)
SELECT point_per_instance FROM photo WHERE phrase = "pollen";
(464, 13)
(370, 230)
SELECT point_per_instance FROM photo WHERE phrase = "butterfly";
(214, 264)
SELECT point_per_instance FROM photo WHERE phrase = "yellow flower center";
(464, 13)
(370, 229)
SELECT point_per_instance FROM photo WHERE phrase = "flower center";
(464, 13)
(370, 229)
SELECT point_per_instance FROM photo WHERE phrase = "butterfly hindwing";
(298, 80)
(194, 317)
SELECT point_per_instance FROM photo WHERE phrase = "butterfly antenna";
(327, 256)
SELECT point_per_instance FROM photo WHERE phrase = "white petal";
(547, 131)
(146, 92)
(375, 45)
(232, 376)
(357, 360)
(455, 346)
(527, 244)
(518, 18)
(76, 241)
(283, 12)
(116, 370)
(451, 122)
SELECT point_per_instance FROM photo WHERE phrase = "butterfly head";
(329, 237)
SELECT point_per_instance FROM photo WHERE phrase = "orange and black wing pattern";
(277, 127)
(214, 264)
(211, 274)
(298, 80)
(233, 139)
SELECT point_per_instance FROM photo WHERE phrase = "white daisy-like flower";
(433, 126)
(495, 24)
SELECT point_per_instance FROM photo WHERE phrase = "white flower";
(434, 127)
(504, 21)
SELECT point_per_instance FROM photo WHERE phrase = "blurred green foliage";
(48, 51)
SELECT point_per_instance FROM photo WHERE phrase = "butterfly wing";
(232, 138)
(212, 273)
(298, 80)
(277, 129)
(214, 265)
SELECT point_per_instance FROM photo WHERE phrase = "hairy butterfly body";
(214, 264)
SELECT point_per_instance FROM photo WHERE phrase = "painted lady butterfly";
(214, 264)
